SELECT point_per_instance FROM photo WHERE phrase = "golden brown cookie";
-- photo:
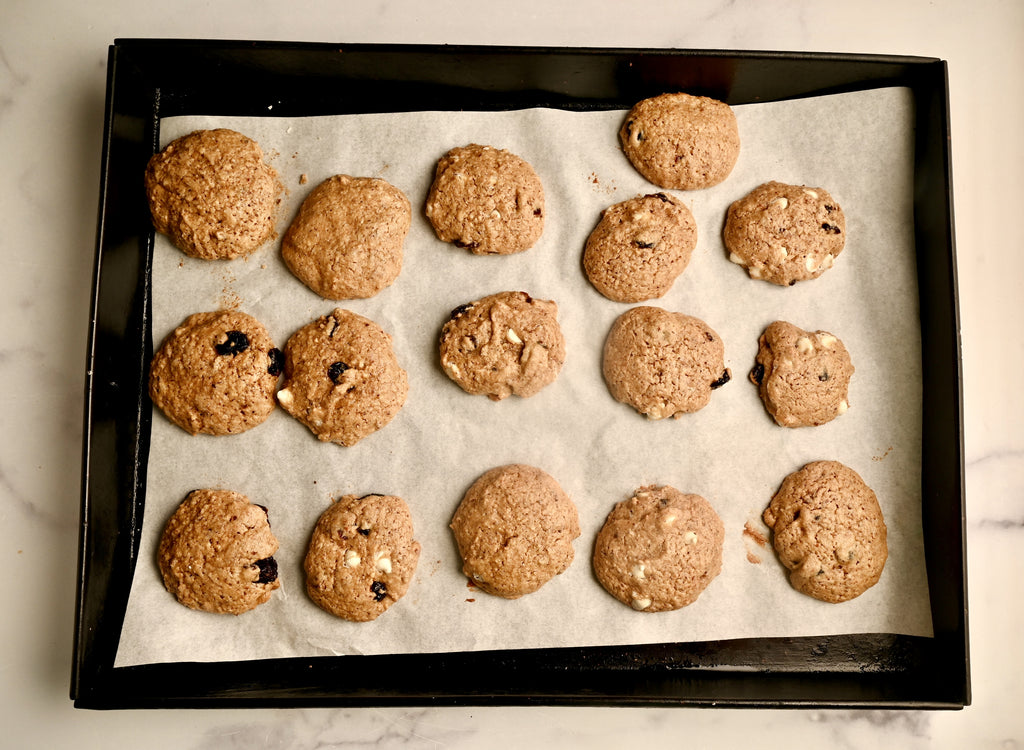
(803, 378)
(515, 528)
(217, 553)
(362, 556)
(785, 233)
(660, 549)
(829, 531)
(640, 247)
(680, 141)
(663, 364)
(216, 373)
(346, 241)
(342, 379)
(504, 344)
(487, 200)
(212, 193)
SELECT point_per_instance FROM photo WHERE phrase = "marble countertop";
(52, 79)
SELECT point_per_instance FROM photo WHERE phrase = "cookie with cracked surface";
(362, 556)
(514, 528)
(828, 530)
(486, 200)
(680, 141)
(660, 549)
(213, 194)
(785, 233)
(342, 378)
(503, 344)
(216, 553)
(346, 241)
(216, 373)
(663, 364)
(640, 247)
(803, 377)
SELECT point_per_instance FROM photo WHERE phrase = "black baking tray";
(150, 79)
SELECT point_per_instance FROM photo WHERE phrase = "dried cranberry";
(379, 589)
(335, 371)
(276, 366)
(726, 377)
(236, 343)
(268, 570)
(757, 373)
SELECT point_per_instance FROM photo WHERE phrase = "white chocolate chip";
(452, 368)
(668, 519)
(690, 537)
(638, 572)
(827, 340)
(828, 261)
(811, 264)
(382, 562)
(285, 396)
(811, 193)
(755, 272)
(733, 257)
(780, 202)
(804, 345)
(843, 406)
(511, 336)
(782, 251)
(640, 604)
(352, 558)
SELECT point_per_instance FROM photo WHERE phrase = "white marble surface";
(52, 73)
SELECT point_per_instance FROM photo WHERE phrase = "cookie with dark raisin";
(828, 530)
(515, 529)
(486, 200)
(216, 553)
(639, 247)
(361, 557)
(663, 364)
(213, 194)
(660, 549)
(785, 233)
(803, 377)
(502, 345)
(342, 378)
(680, 141)
(216, 373)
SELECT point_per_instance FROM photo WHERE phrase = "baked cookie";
(660, 549)
(346, 241)
(785, 233)
(342, 379)
(803, 377)
(212, 193)
(640, 247)
(663, 364)
(216, 373)
(680, 141)
(486, 200)
(828, 530)
(506, 343)
(515, 528)
(361, 557)
(217, 553)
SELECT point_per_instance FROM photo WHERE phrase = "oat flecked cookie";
(663, 364)
(515, 528)
(361, 557)
(640, 247)
(216, 373)
(785, 233)
(681, 142)
(829, 531)
(342, 379)
(504, 344)
(486, 200)
(213, 194)
(346, 241)
(660, 549)
(803, 378)
(217, 553)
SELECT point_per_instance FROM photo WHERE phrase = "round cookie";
(663, 364)
(829, 531)
(486, 200)
(504, 344)
(216, 553)
(216, 373)
(361, 557)
(803, 378)
(212, 193)
(640, 247)
(660, 549)
(785, 233)
(515, 528)
(346, 241)
(680, 141)
(342, 379)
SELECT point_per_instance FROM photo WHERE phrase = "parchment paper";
(859, 146)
